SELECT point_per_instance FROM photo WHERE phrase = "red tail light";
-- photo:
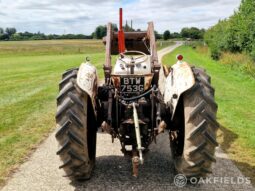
(179, 57)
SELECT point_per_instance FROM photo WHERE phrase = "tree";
(1, 30)
(195, 33)
(185, 32)
(166, 35)
(16, 36)
(101, 31)
(202, 33)
(192, 32)
(235, 34)
(10, 31)
(4, 36)
(157, 35)
(175, 35)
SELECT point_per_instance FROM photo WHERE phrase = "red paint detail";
(180, 57)
(121, 35)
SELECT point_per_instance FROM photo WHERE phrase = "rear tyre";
(75, 134)
(193, 143)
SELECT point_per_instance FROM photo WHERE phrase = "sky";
(82, 16)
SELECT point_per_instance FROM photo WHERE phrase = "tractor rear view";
(130, 106)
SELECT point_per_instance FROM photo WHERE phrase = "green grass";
(50, 47)
(235, 95)
(29, 86)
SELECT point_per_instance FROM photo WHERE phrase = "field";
(29, 75)
(235, 97)
(30, 72)
(50, 47)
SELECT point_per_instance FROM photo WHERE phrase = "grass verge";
(29, 86)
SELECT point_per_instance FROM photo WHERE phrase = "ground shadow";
(227, 138)
(113, 172)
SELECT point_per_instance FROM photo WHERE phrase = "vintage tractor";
(131, 106)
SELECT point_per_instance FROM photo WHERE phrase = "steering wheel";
(132, 59)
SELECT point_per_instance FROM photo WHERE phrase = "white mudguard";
(87, 81)
(179, 80)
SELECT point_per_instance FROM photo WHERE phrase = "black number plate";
(132, 84)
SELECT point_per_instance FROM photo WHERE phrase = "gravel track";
(113, 170)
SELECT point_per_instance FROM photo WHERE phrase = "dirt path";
(113, 171)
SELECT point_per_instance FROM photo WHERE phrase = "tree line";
(191, 33)
(235, 34)
(99, 33)
(13, 35)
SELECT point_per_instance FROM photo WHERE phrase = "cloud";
(82, 16)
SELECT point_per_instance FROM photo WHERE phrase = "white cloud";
(82, 16)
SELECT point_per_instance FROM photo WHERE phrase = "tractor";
(138, 99)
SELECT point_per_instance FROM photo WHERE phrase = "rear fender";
(87, 81)
(179, 80)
